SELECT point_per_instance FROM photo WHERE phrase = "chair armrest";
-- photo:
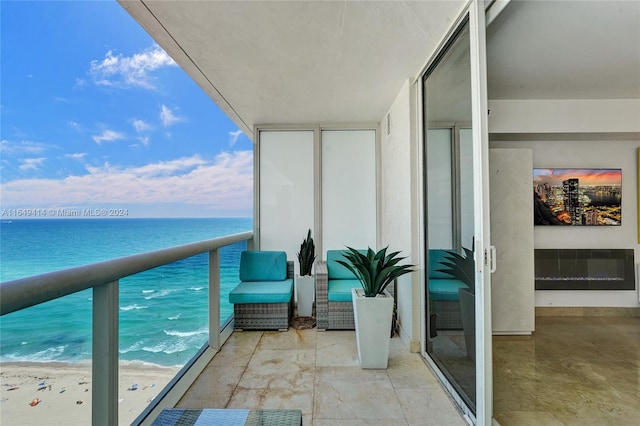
(322, 276)
(322, 293)
(290, 271)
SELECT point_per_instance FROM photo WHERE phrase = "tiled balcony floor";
(318, 373)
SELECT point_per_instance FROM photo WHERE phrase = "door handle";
(493, 259)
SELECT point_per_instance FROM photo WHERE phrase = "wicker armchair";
(443, 293)
(264, 298)
(334, 309)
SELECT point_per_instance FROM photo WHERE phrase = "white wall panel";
(466, 188)
(512, 285)
(587, 154)
(348, 189)
(286, 190)
(564, 116)
(439, 189)
(396, 207)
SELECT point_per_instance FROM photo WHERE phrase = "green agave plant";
(375, 270)
(306, 255)
(460, 267)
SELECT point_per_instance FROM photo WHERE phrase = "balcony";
(315, 372)
(318, 373)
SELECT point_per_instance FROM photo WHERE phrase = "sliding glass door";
(458, 259)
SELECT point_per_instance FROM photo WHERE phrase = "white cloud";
(167, 116)
(141, 126)
(233, 137)
(144, 140)
(30, 163)
(20, 148)
(108, 136)
(130, 71)
(77, 156)
(75, 125)
(223, 183)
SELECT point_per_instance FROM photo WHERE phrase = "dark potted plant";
(373, 305)
(305, 281)
(462, 267)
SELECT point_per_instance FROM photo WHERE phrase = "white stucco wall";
(581, 151)
(564, 116)
(396, 211)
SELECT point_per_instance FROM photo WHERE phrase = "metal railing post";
(104, 408)
(214, 299)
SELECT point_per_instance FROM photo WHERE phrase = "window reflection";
(450, 215)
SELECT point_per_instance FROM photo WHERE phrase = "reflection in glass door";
(449, 165)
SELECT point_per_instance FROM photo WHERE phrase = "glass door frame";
(485, 261)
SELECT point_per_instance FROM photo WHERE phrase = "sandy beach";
(60, 394)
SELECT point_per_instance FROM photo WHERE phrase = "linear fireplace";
(584, 269)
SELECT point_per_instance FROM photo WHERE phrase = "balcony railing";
(103, 278)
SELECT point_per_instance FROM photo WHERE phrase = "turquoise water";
(163, 312)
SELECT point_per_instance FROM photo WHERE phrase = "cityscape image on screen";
(583, 197)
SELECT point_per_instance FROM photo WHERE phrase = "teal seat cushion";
(435, 257)
(262, 292)
(340, 290)
(336, 271)
(263, 266)
(445, 290)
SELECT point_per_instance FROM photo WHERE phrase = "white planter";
(373, 328)
(305, 290)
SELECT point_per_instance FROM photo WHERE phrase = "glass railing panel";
(163, 322)
(229, 277)
(45, 361)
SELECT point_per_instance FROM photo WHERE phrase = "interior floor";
(571, 371)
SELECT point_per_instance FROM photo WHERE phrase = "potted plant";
(463, 268)
(372, 304)
(305, 281)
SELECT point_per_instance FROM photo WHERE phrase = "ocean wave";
(147, 291)
(175, 317)
(50, 354)
(168, 347)
(133, 348)
(131, 307)
(185, 333)
(196, 288)
(161, 293)
(136, 364)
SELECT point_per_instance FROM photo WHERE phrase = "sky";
(609, 177)
(96, 117)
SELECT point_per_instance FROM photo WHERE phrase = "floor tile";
(571, 371)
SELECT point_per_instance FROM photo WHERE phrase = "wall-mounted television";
(577, 197)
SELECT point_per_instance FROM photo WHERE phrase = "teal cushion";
(340, 290)
(435, 257)
(335, 270)
(445, 290)
(263, 266)
(262, 292)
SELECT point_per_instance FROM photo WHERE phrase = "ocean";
(163, 312)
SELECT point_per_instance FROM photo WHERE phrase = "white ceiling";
(299, 62)
(565, 50)
(306, 62)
